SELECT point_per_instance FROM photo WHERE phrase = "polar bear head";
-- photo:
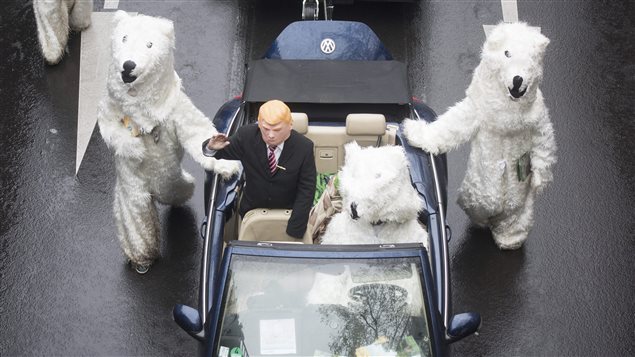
(375, 185)
(513, 54)
(142, 50)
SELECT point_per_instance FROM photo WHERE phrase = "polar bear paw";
(540, 180)
(129, 148)
(416, 131)
(226, 168)
(412, 130)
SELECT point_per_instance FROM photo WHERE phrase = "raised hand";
(218, 142)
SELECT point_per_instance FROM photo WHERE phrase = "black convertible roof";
(327, 81)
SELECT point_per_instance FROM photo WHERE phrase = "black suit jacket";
(292, 188)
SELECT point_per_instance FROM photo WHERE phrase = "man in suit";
(279, 164)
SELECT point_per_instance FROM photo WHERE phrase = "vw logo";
(327, 46)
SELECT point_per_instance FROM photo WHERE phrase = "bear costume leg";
(477, 205)
(176, 192)
(80, 15)
(477, 214)
(137, 224)
(54, 18)
(51, 18)
(511, 231)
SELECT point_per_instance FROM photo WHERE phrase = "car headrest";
(365, 124)
(300, 122)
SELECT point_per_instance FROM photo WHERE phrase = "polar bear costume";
(379, 203)
(147, 121)
(513, 145)
(54, 19)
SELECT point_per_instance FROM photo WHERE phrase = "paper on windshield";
(277, 337)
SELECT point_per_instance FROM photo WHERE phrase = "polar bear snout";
(515, 89)
(126, 74)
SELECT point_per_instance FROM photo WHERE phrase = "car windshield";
(277, 306)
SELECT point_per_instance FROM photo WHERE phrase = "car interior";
(367, 129)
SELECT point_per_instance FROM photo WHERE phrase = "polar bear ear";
(166, 27)
(397, 155)
(541, 42)
(351, 149)
(119, 16)
(494, 40)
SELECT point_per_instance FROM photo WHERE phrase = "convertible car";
(260, 295)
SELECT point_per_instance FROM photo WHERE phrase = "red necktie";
(272, 159)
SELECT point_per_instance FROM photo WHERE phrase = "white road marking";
(111, 4)
(93, 71)
(510, 14)
(510, 10)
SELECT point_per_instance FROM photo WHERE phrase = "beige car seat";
(265, 224)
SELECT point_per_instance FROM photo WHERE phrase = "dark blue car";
(260, 297)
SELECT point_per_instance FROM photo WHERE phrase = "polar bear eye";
(149, 44)
(124, 39)
(507, 54)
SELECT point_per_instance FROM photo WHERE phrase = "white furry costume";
(380, 205)
(505, 116)
(147, 121)
(53, 19)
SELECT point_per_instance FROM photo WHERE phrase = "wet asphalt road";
(64, 285)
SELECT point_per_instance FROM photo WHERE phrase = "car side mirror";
(189, 320)
(463, 325)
